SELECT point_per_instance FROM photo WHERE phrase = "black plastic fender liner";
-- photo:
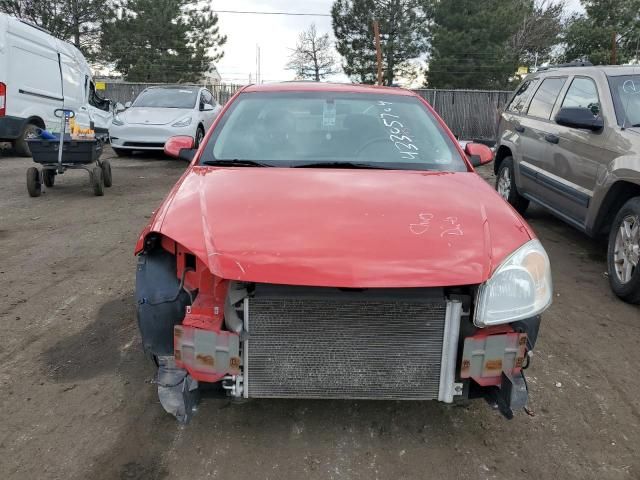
(161, 302)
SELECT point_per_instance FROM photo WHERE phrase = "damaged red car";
(334, 242)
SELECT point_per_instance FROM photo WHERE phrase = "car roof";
(609, 70)
(174, 87)
(326, 87)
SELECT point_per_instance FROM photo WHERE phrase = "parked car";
(334, 241)
(39, 74)
(162, 112)
(569, 140)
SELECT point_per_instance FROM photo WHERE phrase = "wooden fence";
(471, 114)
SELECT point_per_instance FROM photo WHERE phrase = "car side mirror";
(180, 146)
(206, 107)
(127, 105)
(119, 107)
(478, 153)
(579, 117)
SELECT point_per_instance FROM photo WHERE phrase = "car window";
(167, 98)
(207, 97)
(545, 97)
(289, 128)
(625, 90)
(523, 93)
(583, 93)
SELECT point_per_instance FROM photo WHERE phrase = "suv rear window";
(545, 98)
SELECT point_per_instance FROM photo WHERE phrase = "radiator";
(327, 343)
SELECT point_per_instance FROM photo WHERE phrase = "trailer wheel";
(97, 181)
(33, 182)
(49, 177)
(20, 144)
(105, 165)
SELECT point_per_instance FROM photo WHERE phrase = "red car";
(334, 241)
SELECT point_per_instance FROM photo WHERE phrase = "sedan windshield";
(333, 130)
(625, 90)
(167, 98)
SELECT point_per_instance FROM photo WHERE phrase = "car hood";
(342, 228)
(154, 116)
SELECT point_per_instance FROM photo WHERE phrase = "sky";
(275, 34)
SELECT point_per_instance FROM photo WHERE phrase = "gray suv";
(569, 140)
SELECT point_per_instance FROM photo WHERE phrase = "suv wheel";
(623, 256)
(506, 186)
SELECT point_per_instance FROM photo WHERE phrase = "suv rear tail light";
(3, 99)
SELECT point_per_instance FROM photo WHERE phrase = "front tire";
(49, 177)
(97, 181)
(506, 186)
(20, 144)
(34, 187)
(623, 252)
(105, 165)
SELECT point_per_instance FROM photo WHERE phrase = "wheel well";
(501, 154)
(37, 121)
(200, 125)
(619, 193)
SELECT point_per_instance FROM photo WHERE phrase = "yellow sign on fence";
(101, 86)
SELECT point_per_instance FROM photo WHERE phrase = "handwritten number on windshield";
(404, 144)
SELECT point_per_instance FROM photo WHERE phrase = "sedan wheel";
(627, 248)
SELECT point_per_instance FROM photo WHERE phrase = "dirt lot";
(77, 399)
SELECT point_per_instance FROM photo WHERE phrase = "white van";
(38, 74)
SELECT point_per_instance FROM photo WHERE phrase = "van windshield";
(625, 90)
(167, 98)
(316, 129)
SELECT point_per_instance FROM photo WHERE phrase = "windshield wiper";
(236, 162)
(339, 165)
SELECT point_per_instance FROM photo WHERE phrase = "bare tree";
(313, 56)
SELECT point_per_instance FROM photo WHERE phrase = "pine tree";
(480, 44)
(404, 35)
(163, 40)
(592, 35)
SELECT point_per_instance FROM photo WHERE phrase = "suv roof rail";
(577, 63)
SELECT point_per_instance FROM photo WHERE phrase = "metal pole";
(376, 34)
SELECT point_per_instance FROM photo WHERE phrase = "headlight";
(117, 121)
(520, 287)
(184, 122)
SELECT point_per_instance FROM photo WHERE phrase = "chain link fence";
(470, 114)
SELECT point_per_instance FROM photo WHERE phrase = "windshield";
(625, 90)
(167, 98)
(314, 128)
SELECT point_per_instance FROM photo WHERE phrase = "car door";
(514, 134)
(537, 130)
(575, 159)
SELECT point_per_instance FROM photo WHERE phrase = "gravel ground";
(77, 400)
